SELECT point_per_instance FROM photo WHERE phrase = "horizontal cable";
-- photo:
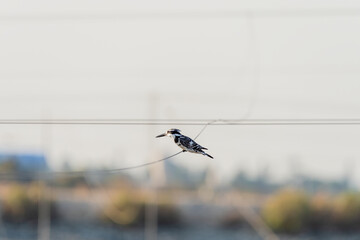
(195, 122)
(276, 13)
(177, 119)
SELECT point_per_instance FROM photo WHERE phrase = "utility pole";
(44, 222)
(151, 210)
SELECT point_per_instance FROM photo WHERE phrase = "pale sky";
(184, 59)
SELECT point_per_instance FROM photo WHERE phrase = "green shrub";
(233, 219)
(125, 211)
(128, 208)
(17, 206)
(8, 166)
(287, 211)
(20, 204)
(320, 212)
(346, 211)
(69, 182)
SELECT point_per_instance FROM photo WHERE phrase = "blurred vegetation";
(287, 211)
(69, 182)
(346, 211)
(233, 219)
(8, 166)
(20, 204)
(292, 211)
(320, 212)
(127, 209)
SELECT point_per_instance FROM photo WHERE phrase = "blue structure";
(25, 161)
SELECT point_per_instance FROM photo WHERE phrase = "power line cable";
(49, 174)
(188, 122)
(276, 13)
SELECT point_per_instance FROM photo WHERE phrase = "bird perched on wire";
(184, 142)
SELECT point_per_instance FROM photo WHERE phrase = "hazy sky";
(184, 59)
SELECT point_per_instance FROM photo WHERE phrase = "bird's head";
(170, 133)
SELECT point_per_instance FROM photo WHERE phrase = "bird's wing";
(189, 143)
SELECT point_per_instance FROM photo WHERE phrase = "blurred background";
(87, 85)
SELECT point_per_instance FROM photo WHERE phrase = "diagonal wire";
(203, 129)
(40, 175)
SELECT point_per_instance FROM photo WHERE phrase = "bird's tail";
(207, 155)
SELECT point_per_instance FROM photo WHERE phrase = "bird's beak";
(161, 135)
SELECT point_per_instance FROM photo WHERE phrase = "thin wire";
(188, 122)
(201, 131)
(205, 120)
(29, 174)
(117, 169)
(329, 12)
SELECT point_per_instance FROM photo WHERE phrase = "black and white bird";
(186, 143)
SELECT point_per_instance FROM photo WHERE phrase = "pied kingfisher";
(186, 143)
